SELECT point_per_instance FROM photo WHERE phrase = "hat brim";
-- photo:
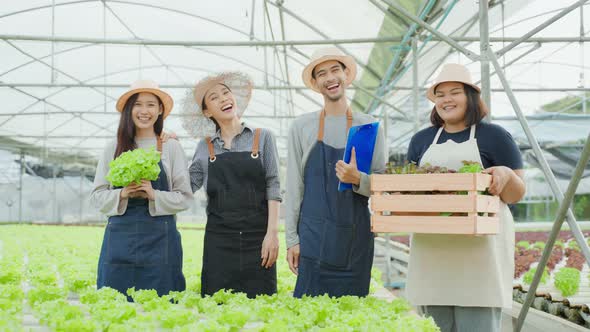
(167, 101)
(240, 84)
(347, 60)
(430, 92)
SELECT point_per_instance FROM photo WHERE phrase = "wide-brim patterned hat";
(193, 119)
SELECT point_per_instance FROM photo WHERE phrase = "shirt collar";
(217, 135)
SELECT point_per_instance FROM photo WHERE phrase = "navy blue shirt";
(496, 145)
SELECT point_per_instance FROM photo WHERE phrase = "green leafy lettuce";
(134, 166)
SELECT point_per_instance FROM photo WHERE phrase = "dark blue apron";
(142, 251)
(237, 220)
(334, 229)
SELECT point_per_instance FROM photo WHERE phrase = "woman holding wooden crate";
(464, 281)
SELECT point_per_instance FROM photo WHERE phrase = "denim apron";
(142, 251)
(237, 220)
(334, 229)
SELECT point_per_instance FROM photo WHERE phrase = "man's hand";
(348, 173)
(293, 258)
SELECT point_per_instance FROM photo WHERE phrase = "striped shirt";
(241, 142)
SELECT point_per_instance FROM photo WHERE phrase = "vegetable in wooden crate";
(412, 168)
(134, 166)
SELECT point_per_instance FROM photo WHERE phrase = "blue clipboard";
(363, 139)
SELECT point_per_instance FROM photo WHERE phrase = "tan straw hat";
(146, 86)
(193, 119)
(451, 72)
(327, 54)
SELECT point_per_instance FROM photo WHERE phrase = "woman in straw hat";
(463, 281)
(141, 247)
(238, 167)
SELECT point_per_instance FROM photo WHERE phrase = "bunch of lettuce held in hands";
(134, 166)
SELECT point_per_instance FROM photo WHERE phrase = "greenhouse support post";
(577, 233)
(20, 186)
(415, 92)
(540, 27)
(484, 45)
(561, 213)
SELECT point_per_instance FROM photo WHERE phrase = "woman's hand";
(129, 190)
(500, 177)
(507, 183)
(138, 194)
(270, 249)
(164, 136)
(146, 186)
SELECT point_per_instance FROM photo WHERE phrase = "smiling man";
(329, 239)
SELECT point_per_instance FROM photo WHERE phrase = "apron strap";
(436, 137)
(472, 132)
(159, 144)
(256, 143)
(211, 149)
(322, 117)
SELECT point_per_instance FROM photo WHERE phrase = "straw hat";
(451, 72)
(193, 119)
(146, 86)
(327, 54)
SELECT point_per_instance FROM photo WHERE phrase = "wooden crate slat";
(434, 225)
(482, 181)
(425, 182)
(434, 203)
(489, 204)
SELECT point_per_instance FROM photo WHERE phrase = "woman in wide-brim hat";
(238, 167)
(141, 247)
(464, 281)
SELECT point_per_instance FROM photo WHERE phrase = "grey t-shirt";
(302, 138)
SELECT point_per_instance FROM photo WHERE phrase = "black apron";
(142, 251)
(334, 229)
(237, 219)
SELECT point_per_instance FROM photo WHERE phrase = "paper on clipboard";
(363, 139)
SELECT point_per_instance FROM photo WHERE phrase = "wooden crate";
(397, 212)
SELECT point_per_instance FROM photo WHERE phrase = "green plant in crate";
(567, 281)
(134, 166)
(523, 244)
(470, 167)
